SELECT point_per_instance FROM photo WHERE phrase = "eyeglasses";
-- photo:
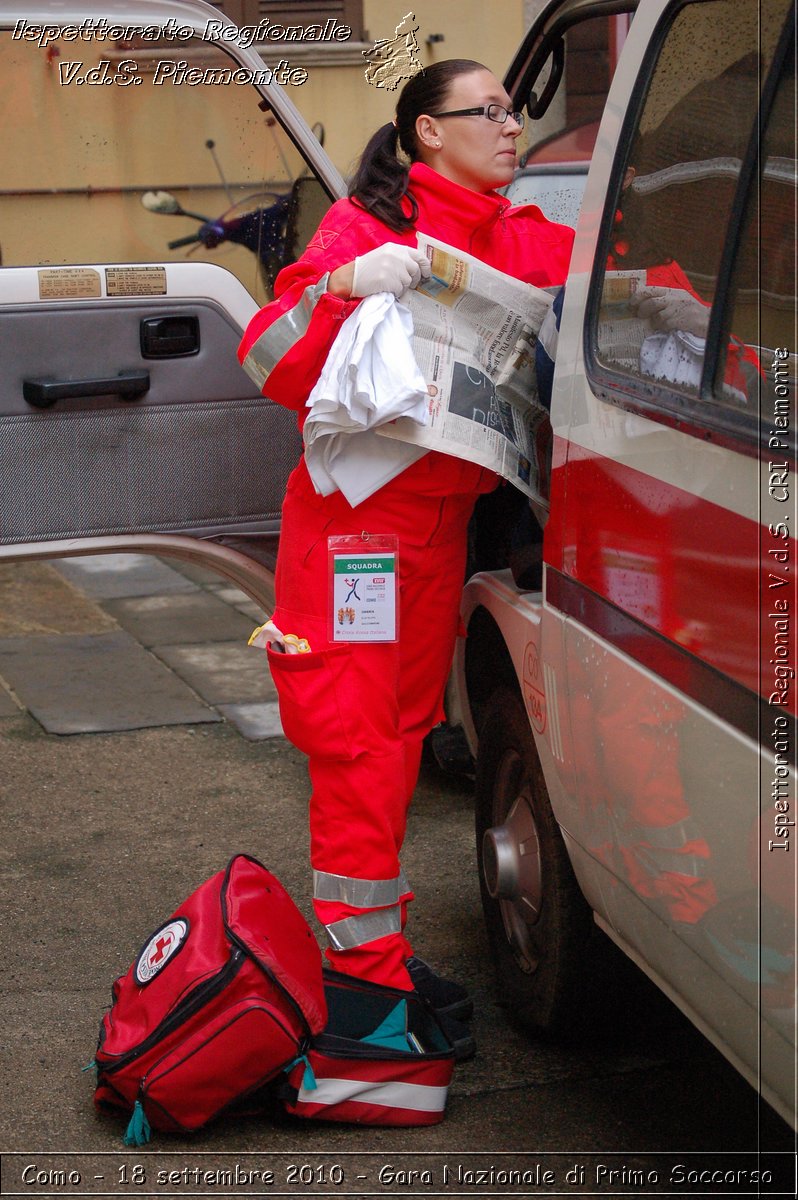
(494, 112)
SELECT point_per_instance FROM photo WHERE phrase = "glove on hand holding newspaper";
(458, 376)
(389, 268)
(474, 335)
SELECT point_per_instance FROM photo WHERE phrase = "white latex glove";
(389, 268)
(671, 309)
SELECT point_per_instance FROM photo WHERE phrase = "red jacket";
(286, 344)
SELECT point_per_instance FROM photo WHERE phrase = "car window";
(556, 146)
(115, 153)
(669, 216)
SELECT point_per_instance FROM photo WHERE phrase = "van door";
(671, 543)
(143, 219)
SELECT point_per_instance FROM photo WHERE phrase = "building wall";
(350, 109)
(77, 159)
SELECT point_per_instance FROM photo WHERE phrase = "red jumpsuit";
(361, 711)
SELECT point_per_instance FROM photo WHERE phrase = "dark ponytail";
(380, 182)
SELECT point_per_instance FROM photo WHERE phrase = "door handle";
(127, 385)
(170, 337)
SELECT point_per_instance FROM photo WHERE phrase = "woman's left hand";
(389, 268)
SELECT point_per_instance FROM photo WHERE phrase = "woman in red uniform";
(361, 711)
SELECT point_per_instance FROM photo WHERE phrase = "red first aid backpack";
(229, 995)
(222, 997)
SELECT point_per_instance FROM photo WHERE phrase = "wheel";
(539, 925)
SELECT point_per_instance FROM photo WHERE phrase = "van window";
(555, 149)
(87, 168)
(670, 213)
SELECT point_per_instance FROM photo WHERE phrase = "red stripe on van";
(694, 572)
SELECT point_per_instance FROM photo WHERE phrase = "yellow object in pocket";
(268, 635)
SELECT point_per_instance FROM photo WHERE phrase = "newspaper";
(474, 336)
(620, 333)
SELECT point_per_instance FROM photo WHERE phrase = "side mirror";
(167, 205)
(537, 105)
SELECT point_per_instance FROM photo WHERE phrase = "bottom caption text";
(355, 1174)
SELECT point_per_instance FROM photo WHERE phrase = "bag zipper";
(191, 1005)
(274, 1016)
(329, 1044)
(244, 948)
(297, 1007)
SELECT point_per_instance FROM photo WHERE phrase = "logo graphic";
(534, 695)
(323, 239)
(393, 60)
(160, 948)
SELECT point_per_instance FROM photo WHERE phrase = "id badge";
(363, 573)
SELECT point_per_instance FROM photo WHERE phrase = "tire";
(540, 927)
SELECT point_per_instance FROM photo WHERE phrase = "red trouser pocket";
(318, 700)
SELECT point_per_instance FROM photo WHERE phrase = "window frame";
(700, 416)
(253, 12)
(751, 171)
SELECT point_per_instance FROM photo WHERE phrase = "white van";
(632, 714)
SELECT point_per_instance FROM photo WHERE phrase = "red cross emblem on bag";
(162, 946)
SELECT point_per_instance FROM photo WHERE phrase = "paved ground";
(125, 641)
(170, 766)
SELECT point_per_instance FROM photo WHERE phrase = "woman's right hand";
(671, 309)
(389, 268)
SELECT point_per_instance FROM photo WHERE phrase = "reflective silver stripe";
(357, 931)
(676, 861)
(264, 354)
(359, 893)
(671, 836)
(419, 1097)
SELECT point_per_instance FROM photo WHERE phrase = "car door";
(654, 660)
(667, 542)
(150, 196)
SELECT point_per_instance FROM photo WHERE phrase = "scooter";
(259, 222)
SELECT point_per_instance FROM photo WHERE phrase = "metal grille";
(177, 468)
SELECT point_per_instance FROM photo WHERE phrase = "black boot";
(445, 997)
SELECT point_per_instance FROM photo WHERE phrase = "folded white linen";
(370, 377)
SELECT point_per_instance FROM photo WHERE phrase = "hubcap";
(501, 863)
(512, 868)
